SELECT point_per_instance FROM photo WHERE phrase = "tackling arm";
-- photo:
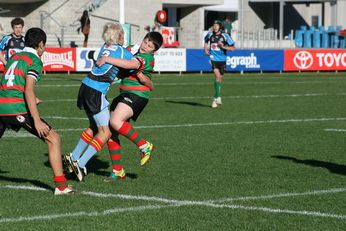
(145, 80)
(123, 63)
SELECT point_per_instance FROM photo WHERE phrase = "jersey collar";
(30, 50)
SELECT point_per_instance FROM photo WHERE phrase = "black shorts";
(219, 65)
(20, 121)
(136, 102)
(89, 99)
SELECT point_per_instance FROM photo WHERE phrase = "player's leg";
(218, 72)
(114, 149)
(103, 134)
(2, 127)
(84, 140)
(123, 110)
(54, 152)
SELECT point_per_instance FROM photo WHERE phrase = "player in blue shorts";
(92, 98)
(217, 43)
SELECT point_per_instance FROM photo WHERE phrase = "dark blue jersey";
(216, 53)
(11, 45)
(100, 78)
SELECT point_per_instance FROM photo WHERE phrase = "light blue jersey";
(10, 45)
(100, 78)
(216, 53)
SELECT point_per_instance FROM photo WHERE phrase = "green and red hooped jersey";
(19, 67)
(131, 84)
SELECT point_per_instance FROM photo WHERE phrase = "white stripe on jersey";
(33, 74)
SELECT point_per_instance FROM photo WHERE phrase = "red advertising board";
(59, 59)
(312, 60)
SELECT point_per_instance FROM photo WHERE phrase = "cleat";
(218, 101)
(67, 191)
(116, 175)
(146, 153)
(80, 172)
(68, 162)
(214, 104)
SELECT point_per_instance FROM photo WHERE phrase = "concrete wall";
(142, 13)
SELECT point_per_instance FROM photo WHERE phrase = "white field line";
(19, 134)
(334, 130)
(224, 97)
(280, 195)
(209, 124)
(203, 83)
(172, 203)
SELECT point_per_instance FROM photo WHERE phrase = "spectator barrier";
(194, 60)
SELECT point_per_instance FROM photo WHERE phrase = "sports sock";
(95, 145)
(130, 133)
(115, 154)
(217, 86)
(60, 182)
(84, 140)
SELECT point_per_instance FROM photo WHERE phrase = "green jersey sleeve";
(148, 63)
(35, 69)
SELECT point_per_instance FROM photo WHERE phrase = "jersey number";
(9, 76)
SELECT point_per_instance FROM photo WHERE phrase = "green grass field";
(272, 157)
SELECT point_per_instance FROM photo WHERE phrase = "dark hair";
(34, 36)
(220, 24)
(17, 21)
(156, 38)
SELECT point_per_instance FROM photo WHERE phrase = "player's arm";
(3, 43)
(206, 49)
(225, 47)
(30, 98)
(145, 80)
(122, 63)
(2, 58)
(206, 43)
(228, 45)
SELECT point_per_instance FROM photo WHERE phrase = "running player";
(217, 43)
(18, 102)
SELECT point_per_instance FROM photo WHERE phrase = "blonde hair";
(113, 33)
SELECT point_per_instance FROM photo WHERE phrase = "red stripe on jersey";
(23, 57)
(5, 87)
(17, 72)
(11, 100)
(134, 88)
(22, 113)
(152, 63)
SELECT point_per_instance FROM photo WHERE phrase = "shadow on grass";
(23, 180)
(95, 166)
(188, 103)
(332, 167)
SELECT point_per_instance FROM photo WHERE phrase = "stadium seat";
(298, 40)
(316, 41)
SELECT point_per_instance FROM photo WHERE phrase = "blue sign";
(238, 60)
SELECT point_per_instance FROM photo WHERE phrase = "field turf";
(272, 157)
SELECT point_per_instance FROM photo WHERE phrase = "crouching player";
(18, 102)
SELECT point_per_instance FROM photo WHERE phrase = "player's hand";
(42, 129)
(206, 52)
(220, 44)
(101, 61)
(38, 101)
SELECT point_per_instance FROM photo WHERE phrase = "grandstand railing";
(261, 39)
